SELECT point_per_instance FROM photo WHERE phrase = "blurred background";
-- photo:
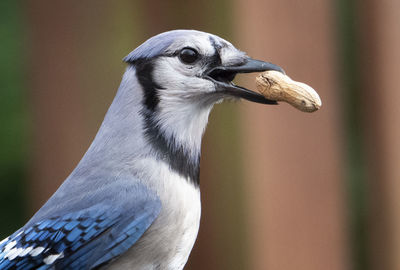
(281, 189)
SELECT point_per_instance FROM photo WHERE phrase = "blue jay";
(133, 201)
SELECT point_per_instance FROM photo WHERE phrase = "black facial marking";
(177, 156)
(144, 73)
(215, 59)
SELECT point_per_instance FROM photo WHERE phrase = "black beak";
(222, 76)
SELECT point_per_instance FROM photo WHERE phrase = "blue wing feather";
(78, 240)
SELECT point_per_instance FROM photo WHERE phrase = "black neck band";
(176, 155)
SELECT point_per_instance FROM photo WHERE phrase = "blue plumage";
(69, 241)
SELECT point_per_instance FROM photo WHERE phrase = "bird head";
(183, 73)
(192, 68)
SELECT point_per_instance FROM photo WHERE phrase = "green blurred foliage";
(348, 39)
(13, 118)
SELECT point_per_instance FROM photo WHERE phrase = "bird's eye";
(188, 55)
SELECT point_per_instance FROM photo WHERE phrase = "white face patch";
(184, 94)
(183, 111)
(188, 82)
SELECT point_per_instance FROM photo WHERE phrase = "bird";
(133, 201)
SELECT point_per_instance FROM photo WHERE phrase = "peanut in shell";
(277, 86)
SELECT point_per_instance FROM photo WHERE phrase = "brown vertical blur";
(380, 61)
(74, 68)
(294, 172)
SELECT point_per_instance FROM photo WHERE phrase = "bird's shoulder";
(79, 237)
